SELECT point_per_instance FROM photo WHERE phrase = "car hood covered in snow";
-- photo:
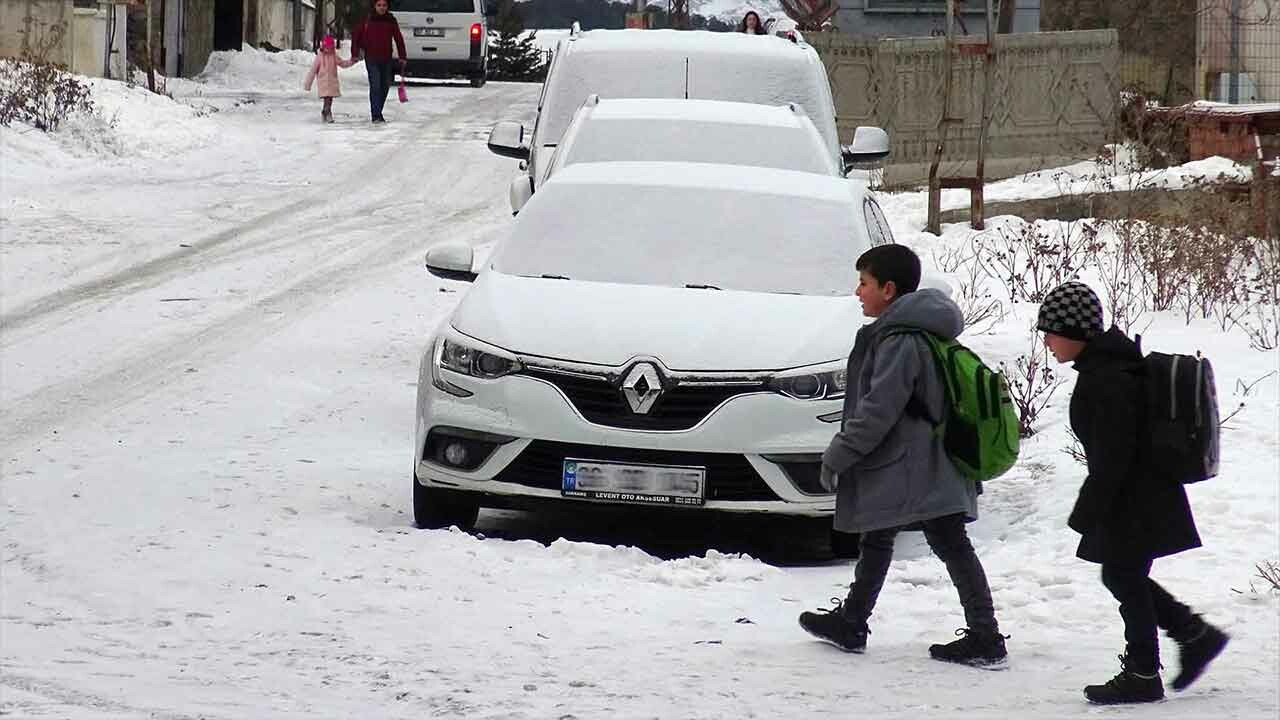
(686, 329)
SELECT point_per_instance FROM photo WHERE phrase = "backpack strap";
(915, 406)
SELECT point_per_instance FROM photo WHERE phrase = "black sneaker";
(1127, 687)
(979, 648)
(832, 626)
(1197, 652)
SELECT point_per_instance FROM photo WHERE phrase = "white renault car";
(669, 334)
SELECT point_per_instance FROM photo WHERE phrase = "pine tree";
(512, 57)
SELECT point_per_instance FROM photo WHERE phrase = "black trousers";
(1144, 606)
(950, 542)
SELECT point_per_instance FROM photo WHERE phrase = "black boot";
(1196, 649)
(1133, 685)
(833, 626)
(979, 648)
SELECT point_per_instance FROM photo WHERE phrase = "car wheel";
(477, 81)
(434, 508)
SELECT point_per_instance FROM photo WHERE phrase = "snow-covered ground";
(211, 319)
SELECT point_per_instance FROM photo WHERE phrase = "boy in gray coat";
(888, 466)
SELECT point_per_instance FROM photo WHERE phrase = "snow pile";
(545, 38)
(259, 71)
(1117, 173)
(127, 121)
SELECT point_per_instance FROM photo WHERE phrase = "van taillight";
(475, 32)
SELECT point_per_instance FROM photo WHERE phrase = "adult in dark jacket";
(888, 466)
(1126, 516)
(374, 37)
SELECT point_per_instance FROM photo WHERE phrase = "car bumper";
(544, 427)
(444, 68)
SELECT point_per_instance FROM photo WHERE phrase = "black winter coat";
(1125, 515)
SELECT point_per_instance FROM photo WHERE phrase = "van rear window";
(435, 6)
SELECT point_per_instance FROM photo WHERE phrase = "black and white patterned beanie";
(1071, 310)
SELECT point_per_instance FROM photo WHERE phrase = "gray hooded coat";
(892, 468)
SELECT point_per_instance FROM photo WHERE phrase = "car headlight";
(472, 362)
(817, 382)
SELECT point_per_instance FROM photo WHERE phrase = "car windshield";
(435, 6)
(707, 238)
(784, 148)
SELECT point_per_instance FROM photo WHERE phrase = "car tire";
(434, 508)
(477, 81)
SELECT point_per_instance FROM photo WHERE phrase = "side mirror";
(520, 192)
(451, 261)
(507, 139)
(870, 144)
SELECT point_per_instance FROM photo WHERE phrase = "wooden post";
(934, 221)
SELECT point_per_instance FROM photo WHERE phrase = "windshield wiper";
(546, 276)
(702, 287)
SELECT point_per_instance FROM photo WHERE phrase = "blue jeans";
(380, 77)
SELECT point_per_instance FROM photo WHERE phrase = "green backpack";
(980, 430)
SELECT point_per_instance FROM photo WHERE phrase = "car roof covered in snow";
(706, 111)
(695, 42)
(722, 178)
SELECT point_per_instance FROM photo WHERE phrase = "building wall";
(1053, 99)
(921, 18)
(274, 23)
(1156, 37)
(61, 33)
(25, 24)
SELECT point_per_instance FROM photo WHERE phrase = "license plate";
(428, 32)
(633, 483)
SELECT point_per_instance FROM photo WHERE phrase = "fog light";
(455, 454)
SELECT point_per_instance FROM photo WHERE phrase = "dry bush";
(1262, 322)
(1269, 572)
(40, 94)
(1032, 385)
(1122, 277)
(1075, 450)
(981, 311)
(1031, 259)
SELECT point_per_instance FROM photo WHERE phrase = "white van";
(446, 38)
(667, 64)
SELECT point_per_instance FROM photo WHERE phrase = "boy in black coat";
(1126, 517)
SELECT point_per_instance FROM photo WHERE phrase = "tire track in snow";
(152, 272)
(151, 368)
(79, 699)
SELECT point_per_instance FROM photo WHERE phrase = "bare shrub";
(1262, 322)
(981, 311)
(1032, 385)
(1122, 277)
(1032, 258)
(40, 94)
(1075, 449)
(1269, 572)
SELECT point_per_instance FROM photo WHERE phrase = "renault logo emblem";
(642, 387)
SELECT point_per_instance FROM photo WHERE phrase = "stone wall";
(1054, 98)
(26, 24)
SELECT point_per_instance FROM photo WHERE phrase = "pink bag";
(404, 96)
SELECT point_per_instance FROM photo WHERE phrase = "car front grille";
(679, 408)
(729, 476)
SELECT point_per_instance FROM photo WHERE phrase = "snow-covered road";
(207, 375)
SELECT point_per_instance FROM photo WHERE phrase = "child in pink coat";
(324, 71)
